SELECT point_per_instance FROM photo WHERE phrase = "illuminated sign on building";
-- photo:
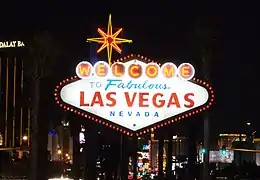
(11, 44)
(81, 138)
(134, 94)
(218, 157)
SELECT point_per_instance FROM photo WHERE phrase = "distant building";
(257, 147)
(53, 146)
(241, 143)
(14, 99)
(60, 144)
(228, 139)
(149, 150)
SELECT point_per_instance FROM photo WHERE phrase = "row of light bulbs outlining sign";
(11, 44)
(134, 95)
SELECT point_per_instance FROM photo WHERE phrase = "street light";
(59, 152)
(25, 138)
(248, 123)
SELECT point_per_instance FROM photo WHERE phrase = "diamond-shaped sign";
(132, 95)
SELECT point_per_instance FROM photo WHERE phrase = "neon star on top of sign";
(109, 40)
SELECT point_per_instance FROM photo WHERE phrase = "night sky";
(160, 31)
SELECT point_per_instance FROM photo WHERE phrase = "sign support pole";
(206, 146)
(160, 153)
(134, 157)
(75, 129)
(121, 156)
(169, 155)
(206, 72)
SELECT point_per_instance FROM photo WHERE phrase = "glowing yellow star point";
(109, 40)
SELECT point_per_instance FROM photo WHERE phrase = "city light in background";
(25, 138)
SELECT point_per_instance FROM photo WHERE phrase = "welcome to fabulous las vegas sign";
(134, 95)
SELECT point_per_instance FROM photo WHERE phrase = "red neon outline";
(124, 130)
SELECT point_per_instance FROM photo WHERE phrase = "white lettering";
(11, 44)
(20, 44)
